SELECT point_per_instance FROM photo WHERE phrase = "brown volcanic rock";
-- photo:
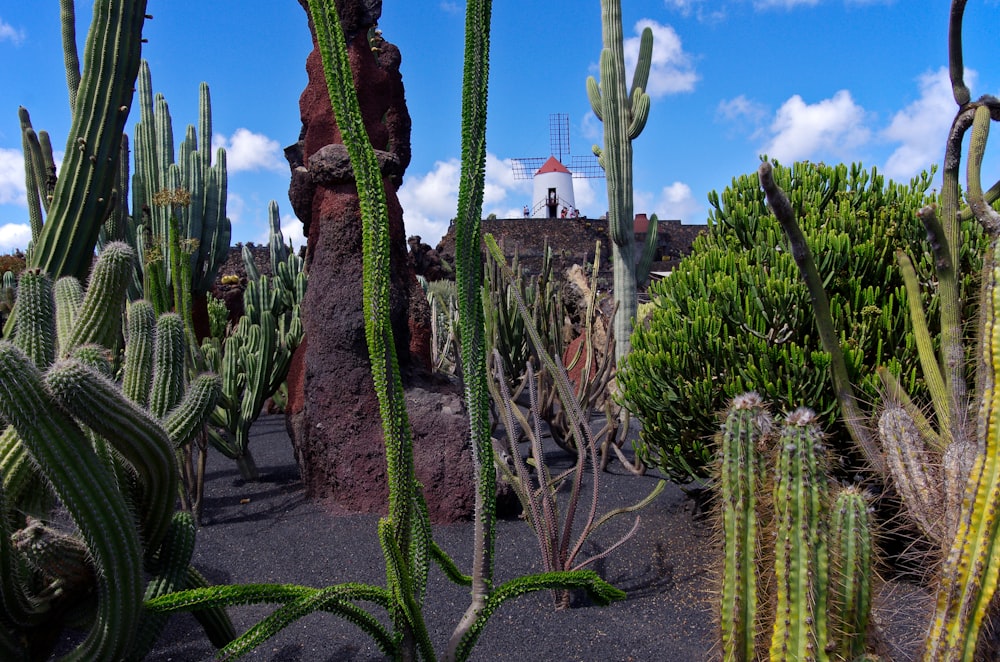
(333, 413)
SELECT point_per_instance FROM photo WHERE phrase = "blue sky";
(825, 80)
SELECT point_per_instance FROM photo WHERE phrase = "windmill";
(552, 176)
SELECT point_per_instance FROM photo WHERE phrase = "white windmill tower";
(553, 180)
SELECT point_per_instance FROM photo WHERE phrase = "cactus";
(255, 358)
(822, 560)
(959, 512)
(63, 414)
(186, 198)
(624, 114)
(84, 193)
(741, 477)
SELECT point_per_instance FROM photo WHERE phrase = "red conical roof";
(552, 165)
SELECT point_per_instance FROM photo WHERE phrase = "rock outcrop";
(332, 413)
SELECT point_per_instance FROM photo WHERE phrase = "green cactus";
(956, 505)
(624, 113)
(84, 194)
(254, 360)
(851, 562)
(179, 208)
(741, 477)
(65, 416)
(822, 560)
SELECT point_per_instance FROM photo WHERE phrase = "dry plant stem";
(853, 416)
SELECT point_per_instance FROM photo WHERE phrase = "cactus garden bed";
(269, 532)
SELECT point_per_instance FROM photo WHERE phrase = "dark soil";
(269, 532)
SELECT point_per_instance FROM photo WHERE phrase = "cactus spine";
(624, 114)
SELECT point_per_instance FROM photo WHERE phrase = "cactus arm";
(740, 478)
(850, 574)
(86, 488)
(168, 365)
(801, 564)
(34, 176)
(137, 377)
(956, 69)
(643, 63)
(185, 420)
(852, 414)
(648, 251)
(35, 332)
(930, 368)
(67, 16)
(97, 403)
(594, 95)
(981, 209)
(82, 196)
(100, 316)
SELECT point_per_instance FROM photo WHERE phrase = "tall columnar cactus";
(64, 413)
(84, 193)
(822, 559)
(741, 479)
(944, 461)
(624, 113)
(190, 191)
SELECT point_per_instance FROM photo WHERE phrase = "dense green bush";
(736, 317)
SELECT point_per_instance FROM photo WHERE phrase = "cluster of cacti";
(444, 325)
(83, 456)
(405, 532)
(253, 359)
(735, 316)
(78, 202)
(943, 460)
(820, 552)
(624, 112)
(178, 207)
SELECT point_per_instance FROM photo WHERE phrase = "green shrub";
(735, 316)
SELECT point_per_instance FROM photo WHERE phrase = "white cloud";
(697, 7)
(14, 236)
(247, 150)
(430, 200)
(291, 230)
(9, 33)
(12, 189)
(235, 207)
(832, 126)
(784, 4)
(675, 201)
(921, 127)
(671, 69)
